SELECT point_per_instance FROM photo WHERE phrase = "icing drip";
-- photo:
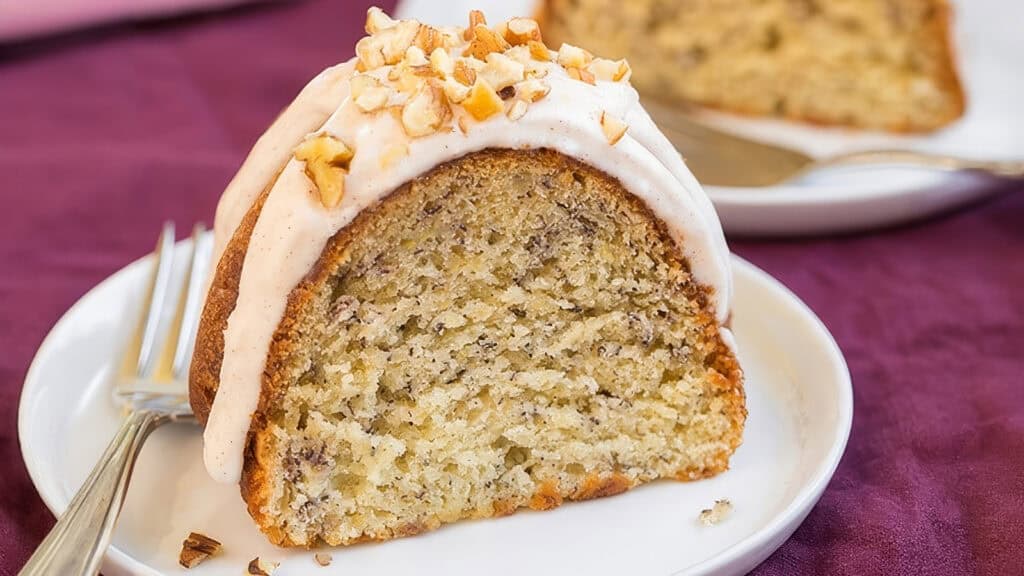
(294, 227)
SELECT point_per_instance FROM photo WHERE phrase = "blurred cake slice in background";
(872, 64)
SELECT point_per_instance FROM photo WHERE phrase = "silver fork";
(151, 385)
(718, 158)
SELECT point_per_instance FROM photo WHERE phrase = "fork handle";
(76, 544)
(1004, 168)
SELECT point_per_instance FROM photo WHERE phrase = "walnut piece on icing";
(532, 90)
(327, 162)
(425, 72)
(522, 31)
(476, 18)
(463, 72)
(501, 71)
(581, 74)
(609, 70)
(539, 51)
(369, 93)
(517, 110)
(571, 56)
(377, 20)
(613, 128)
(483, 101)
(485, 41)
(426, 111)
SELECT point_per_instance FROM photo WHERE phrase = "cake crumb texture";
(511, 330)
(877, 64)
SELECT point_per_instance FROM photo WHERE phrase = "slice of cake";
(877, 64)
(462, 274)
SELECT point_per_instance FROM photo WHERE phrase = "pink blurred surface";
(22, 19)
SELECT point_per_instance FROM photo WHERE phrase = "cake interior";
(868, 63)
(511, 330)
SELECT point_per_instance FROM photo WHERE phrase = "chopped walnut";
(442, 62)
(415, 57)
(521, 31)
(539, 51)
(426, 111)
(485, 41)
(322, 558)
(387, 46)
(260, 567)
(455, 91)
(718, 512)
(476, 18)
(377, 20)
(196, 549)
(464, 73)
(532, 90)
(483, 101)
(609, 70)
(613, 128)
(327, 161)
(517, 110)
(369, 93)
(502, 71)
(428, 39)
(571, 56)
(581, 74)
(427, 71)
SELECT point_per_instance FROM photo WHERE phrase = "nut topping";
(517, 110)
(718, 512)
(485, 41)
(613, 128)
(532, 90)
(483, 102)
(476, 18)
(196, 549)
(260, 567)
(377, 20)
(570, 56)
(425, 111)
(609, 70)
(502, 71)
(581, 74)
(429, 70)
(369, 93)
(521, 31)
(327, 161)
(464, 73)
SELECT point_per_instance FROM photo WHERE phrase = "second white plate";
(799, 399)
(988, 45)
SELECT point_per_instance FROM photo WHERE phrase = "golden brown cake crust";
(224, 292)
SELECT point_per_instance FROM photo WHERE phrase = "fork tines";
(146, 368)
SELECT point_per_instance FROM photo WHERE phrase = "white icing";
(293, 227)
(314, 104)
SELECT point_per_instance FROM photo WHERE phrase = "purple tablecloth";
(105, 134)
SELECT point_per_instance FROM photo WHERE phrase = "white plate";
(989, 47)
(799, 399)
